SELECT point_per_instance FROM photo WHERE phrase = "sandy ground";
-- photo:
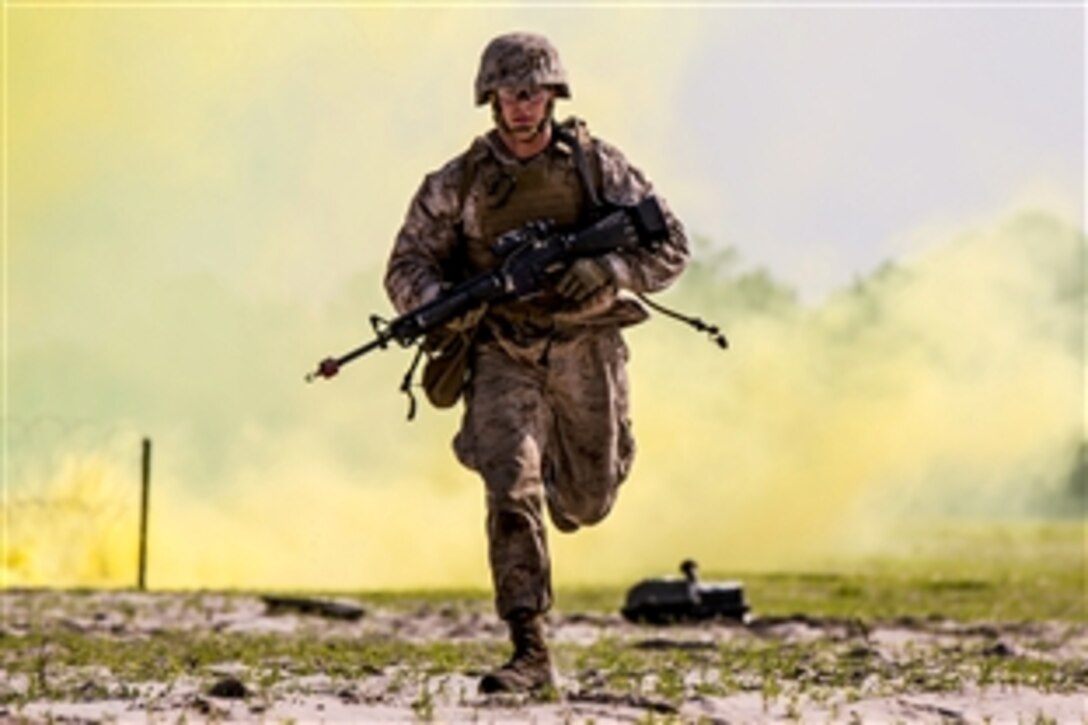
(398, 693)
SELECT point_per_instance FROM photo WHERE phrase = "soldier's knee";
(587, 509)
(595, 511)
(511, 472)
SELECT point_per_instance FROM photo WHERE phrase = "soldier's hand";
(430, 293)
(584, 278)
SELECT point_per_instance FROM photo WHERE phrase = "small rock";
(999, 649)
(330, 608)
(229, 687)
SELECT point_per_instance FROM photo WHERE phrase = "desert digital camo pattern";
(520, 59)
(546, 411)
(550, 427)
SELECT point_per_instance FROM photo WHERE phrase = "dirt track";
(125, 656)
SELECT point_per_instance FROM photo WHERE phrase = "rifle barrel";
(330, 366)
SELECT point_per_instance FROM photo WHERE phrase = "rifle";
(530, 255)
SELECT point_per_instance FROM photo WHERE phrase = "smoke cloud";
(202, 200)
(949, 383)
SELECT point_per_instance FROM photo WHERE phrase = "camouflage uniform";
(546, 409)
(546, 413)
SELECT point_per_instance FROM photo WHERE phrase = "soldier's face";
(524, 109)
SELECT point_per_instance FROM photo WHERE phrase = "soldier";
(546, 413)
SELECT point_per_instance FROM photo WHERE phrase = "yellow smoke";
(956, 379)
(954, 383)
(285, 528)
(951, 380)
(75, 529)
(200, 204)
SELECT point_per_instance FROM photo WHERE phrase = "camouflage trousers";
(546, 425)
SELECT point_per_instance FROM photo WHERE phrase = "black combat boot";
(530, 667)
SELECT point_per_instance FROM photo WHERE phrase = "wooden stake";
(145, 490)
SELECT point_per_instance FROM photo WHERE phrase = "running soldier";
(546, 410)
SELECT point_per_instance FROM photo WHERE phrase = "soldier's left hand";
(584, 278)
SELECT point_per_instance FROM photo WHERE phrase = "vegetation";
(1013, 617)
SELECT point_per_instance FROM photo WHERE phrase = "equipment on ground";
(672, 600)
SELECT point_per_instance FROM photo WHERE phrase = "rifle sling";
(580, 162)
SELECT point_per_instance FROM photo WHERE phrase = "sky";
(200, 202)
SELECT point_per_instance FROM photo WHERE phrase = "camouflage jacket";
(451, 210)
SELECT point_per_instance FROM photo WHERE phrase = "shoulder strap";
(574, 133)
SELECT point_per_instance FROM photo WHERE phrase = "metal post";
(144, 492)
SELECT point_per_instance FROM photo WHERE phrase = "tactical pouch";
(447, 368)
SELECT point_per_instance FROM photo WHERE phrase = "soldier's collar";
(559, 145)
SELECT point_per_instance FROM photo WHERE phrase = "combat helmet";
(520, 59)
